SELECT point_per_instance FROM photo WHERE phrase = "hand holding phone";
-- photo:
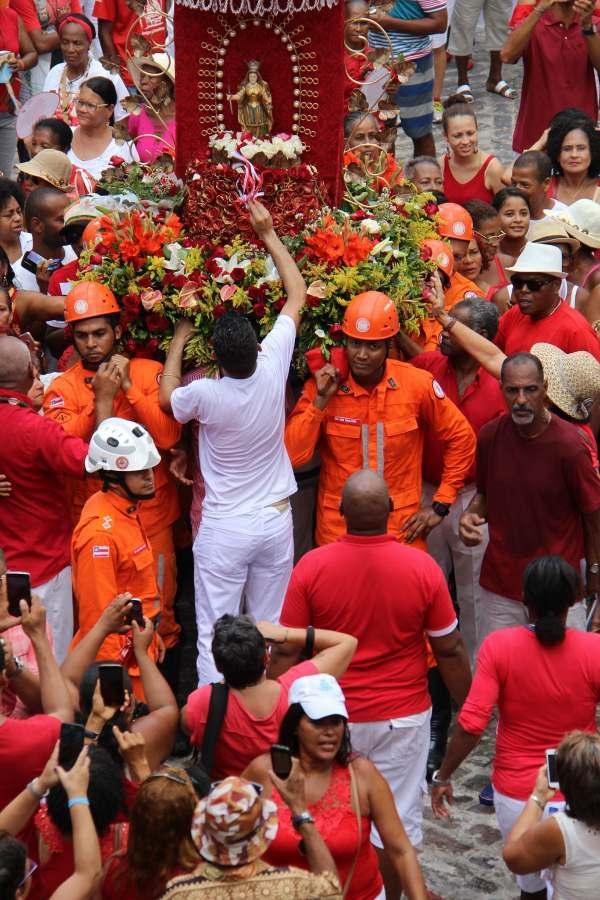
(72, 738)
(112, 686)
(551, 772)
(281, 760)
(135, 613)
(18, 587)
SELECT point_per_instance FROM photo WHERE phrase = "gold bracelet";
(170, 375)
(538, 802)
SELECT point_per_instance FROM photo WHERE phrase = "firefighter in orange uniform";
(111, 552)
(456, 226)
(374, 419)
(105, 384)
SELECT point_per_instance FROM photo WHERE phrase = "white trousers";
(249, 556)
(398, 747)
(449, 552)
(508, 811)
(57, 599)
(501, 612)
(463, 23)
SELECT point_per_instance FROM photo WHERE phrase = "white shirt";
(557, 207)
(242, 454)
(94, 69)
(579, 878)
(26, 281)
(97, 166)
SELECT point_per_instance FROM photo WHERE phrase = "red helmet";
(441, 255)
(455, 222)
(371, 316)
(89, 299)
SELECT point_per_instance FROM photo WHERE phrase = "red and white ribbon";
(251, 180)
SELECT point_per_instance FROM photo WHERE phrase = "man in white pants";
(463, 24)
(244, 547)
(390, 596)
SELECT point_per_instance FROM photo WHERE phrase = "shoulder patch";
(438, 390)
(57, 401)
(345, 389)
(107, 520)
(392, 384)
(101, 552)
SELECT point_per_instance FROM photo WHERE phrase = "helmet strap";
(112, 478)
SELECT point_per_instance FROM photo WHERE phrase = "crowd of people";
(404, 538)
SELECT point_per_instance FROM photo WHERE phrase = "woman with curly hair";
(160, 845)
(574, 149)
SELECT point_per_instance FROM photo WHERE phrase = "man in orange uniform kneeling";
(103, 384)
(111, 553)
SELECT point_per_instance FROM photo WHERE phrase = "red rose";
(358, 216)
(132, 303)
(256, 293)
(145, 281)
(430, 209)
(313, 301)
(336, 332)
(213, 267)
(279, 304)
(96, 259)
(427, 294)
(237, 274)
(259, 310)
(425, 253)
(117, 161)
(218, 311)
(130, 345)
(156, 322)
(179, 281)
(152, 345)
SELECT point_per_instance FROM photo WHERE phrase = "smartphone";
(18, 587)
(2, 658)
(136, 613)
(551, 769)
(112, 687)
(281, 760)
(31, 261)
(71, 744)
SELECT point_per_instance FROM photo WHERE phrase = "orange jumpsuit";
(70, 401)
(111, 554)
(461, 288)
(379, 430)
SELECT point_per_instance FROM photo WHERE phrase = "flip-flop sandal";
(503, 89)
(465, 92)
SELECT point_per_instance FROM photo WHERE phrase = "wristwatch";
(435, 779)
(19, 666)
(440, 509)
(593, 568)
(589, 30)
(303, 818)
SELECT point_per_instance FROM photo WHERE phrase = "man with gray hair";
(35, 455)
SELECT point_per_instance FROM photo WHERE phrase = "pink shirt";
(151, 137)
(10, 704)
(541, 693)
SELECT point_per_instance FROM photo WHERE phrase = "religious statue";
(255, 107)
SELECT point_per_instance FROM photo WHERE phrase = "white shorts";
(399, 748)
(440, 40)
(508, 811)
(56, 596)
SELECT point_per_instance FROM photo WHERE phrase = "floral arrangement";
(154, 184)
(279, 151)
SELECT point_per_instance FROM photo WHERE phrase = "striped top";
(411, 46)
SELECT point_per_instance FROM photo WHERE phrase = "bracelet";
(442, 782)
(78, 801)
(32, 788)
(170, 375)
(448, 328)
(538, 802)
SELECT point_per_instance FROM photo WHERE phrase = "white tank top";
(579, 878)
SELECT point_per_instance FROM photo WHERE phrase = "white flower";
(385, 246)
(271, 273)
(228, 265)
(370, 226)
(176, 260)
(320, 333)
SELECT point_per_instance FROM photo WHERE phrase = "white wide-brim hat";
(539, 259)
(582, 221)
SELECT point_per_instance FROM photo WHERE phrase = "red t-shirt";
(243, 736)
(565, 328)
(387, 595)
(25, 747)
(63, 275)
(9, 35)
(151, 25)
(35, 521)
(536, 491)
(541, 693)
(481, 402)
(27, 11)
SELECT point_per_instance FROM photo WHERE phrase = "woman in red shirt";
(545, 680)
(18, 56)
(469, 173)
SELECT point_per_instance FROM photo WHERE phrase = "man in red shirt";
(386, 683)
(35, 455)
(538, 491)
(118, 21)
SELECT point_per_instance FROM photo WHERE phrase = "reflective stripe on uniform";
(365, 445)
(380, 449)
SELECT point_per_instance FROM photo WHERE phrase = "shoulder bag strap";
(214, 722)
(355, 803)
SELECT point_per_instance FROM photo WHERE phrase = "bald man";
(35, 528)
(390, 596)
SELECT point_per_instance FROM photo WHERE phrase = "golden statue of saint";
(255, 107)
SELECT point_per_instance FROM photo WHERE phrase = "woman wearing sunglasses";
(94, 143)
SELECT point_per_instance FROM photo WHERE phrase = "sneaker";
(438, 111)
(486, 795)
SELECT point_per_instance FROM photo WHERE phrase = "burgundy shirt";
(536, 491)
(35, 454)
(481, 402)
(557, 73)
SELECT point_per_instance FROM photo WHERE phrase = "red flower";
(218, 311)
(132, 303)
(156, 322)
(117, 161)
(145, 281)
(256, 293)
(96, 259)
(237, 274)
(336, 332)
(425, 253)
(279, 304)
(430, 209)
(213, 267)
(259, 310)
(357, 249)
(358, 215)
(130, 345)
(313, 301)
(152, 345)
(179, 281)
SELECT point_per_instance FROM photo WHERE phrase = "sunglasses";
(532, 284)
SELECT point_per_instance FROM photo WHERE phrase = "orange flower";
(357, 249)
(326, 245)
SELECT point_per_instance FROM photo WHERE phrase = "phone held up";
(551, 773)
(71, 744)
(18, 587)
(112, 686)
(281, 760)
(136, 614)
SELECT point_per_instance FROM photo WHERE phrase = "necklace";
(574, 193)
(66, 92)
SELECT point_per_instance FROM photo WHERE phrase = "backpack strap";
(217, 708)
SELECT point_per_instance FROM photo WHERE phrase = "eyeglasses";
(171, 777)
(30, 867)
(496, 236)
(532, 284)
(91, 107)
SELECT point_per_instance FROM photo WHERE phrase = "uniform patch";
(392, 384)
(345, 389)
(101, 552)
(80, 307)
(346, 420)
(57, 401)
(458, 228)
(363, 325)
(438, 390)
(140, 549)
(121, 462)
(107, 522)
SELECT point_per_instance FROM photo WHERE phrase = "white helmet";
(118, 445)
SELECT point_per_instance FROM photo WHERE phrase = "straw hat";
(539, 259)
(234, 825)
(52, 166)
(573, 379)
(83, 210)
(582, 221)
(140, 64)
(551, 231)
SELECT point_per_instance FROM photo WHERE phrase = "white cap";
(319, 696)
(539, 259)
(118, 445)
